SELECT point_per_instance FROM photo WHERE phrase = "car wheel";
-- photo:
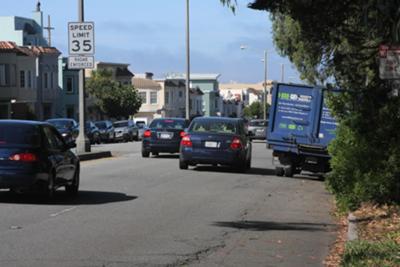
(289, 171)
(73, 189)
(279, 171)
(155, 153)
(50, 187)
(248, 164)
(183, 165)
(145, 154)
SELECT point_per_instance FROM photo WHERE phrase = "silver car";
(258, 129)
(126, 131)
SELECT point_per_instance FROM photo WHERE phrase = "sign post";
(81, 51)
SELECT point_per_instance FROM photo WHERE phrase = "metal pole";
(82, 142)
(282, 72)
(187, 61)
(265, 84)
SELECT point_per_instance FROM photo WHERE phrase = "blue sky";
(150, 35)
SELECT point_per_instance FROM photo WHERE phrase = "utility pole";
(282, 72)
(49, 29)
(265, 84)
(82, 142)
(187, 60)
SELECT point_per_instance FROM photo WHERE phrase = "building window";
(70, 85)
(167, 98)
(153, 98)
(8, 75)
(180, 94)
(143, 96)
(29, 79)
(22, 79)
(46, 80)
(52, 80)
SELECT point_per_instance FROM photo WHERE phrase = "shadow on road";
(274, 226)
(168, 156)
(61, 198)
(252, 171)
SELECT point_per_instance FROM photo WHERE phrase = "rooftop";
(141, 83)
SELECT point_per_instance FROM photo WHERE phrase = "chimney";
(149, 75)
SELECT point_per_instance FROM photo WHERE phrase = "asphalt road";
(146, 212)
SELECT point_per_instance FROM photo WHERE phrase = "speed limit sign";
(81, 38)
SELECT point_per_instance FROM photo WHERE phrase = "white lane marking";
(62, 212)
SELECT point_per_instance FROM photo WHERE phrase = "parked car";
(142, 127)
(107, 131)
(258, 129)
(216, 140)
(163, 135)
(33, 155)
(126, 131)
(92, 132)
(68, 128)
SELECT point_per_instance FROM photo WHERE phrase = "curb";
(352, 228)
(94, 155)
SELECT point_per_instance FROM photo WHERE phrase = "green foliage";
(337, 41)
(112, 98)
(362, 253)
(255, 110)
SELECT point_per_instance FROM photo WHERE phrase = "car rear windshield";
(140, 124)
(19, 135)
(168, 124)
(258, 123)
(101, 125)
(62, 124)
(227, 127)
(120, 124)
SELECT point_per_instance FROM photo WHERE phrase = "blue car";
(215, 140)
(34, 156)
(163, 136)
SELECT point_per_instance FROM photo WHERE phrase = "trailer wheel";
(289, 171)
(279, 171)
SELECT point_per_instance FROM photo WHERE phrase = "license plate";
(211, 144)
(165, 136)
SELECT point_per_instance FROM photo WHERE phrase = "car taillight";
(182, 134)
(186, 142)
(26, 157)
(236, 144)
(147, 133)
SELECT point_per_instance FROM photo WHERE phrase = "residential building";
(24, 31)
(68, 105)
(245, 92)
(209, 85)
(18, 82)
(120, 72)
(151, 93)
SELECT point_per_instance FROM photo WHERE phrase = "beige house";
(151, 93)
(120, 72)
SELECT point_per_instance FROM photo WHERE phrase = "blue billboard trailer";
(300, 128)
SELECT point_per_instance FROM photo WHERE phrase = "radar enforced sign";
(81, 45)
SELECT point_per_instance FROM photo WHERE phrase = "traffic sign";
(81, 38)
(389, 62)
(80, 62)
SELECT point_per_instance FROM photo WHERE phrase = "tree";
(337, 41)
(112, 98)
(255, 110)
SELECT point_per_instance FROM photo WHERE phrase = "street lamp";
(187, 60)
(265, 93)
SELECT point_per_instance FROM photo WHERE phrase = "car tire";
(145, 154)
(248, 164)
(73, 189)
(279, 171)
(183, 165)
(289, 171)
(155, 154)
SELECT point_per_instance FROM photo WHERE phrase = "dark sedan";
(163, 135)
(33, 156)
(68, 128)
(214, 140)
(107, 131)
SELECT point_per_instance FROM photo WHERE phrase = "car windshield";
(168, 124)
(214, 126)
(19, 134)
(61, 124)
(101, 125)
(120, 124)
(258, 123)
